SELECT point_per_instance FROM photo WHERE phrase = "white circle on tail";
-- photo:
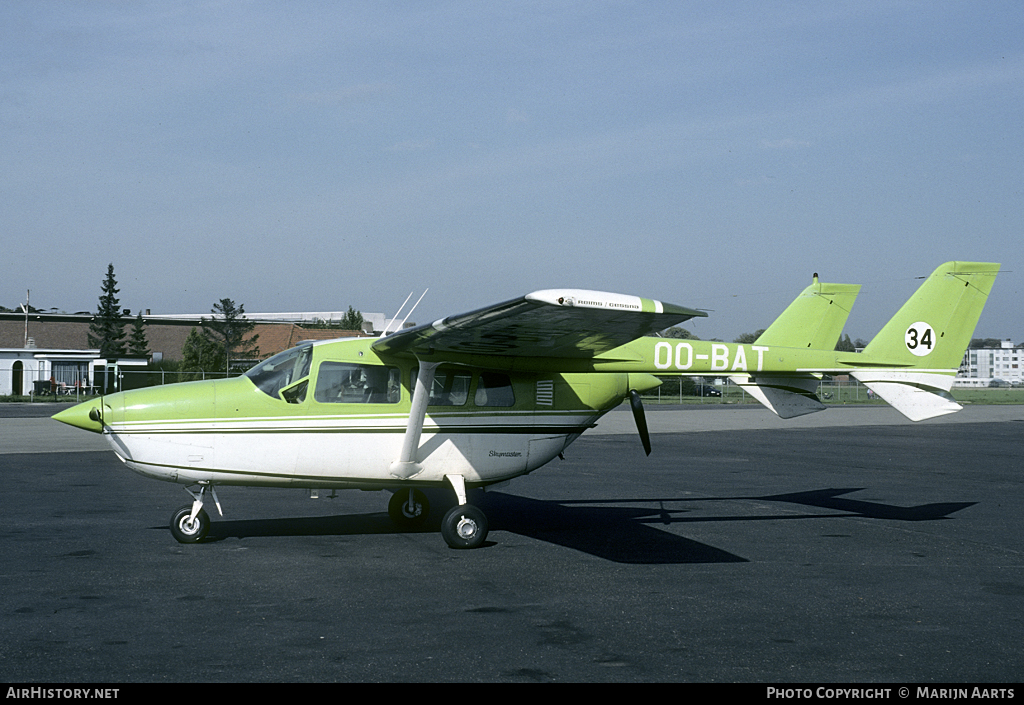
(920, 338)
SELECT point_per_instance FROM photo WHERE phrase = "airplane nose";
(88, 415)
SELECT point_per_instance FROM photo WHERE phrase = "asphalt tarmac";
(852, 548)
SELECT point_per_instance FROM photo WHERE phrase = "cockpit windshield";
(276, 373)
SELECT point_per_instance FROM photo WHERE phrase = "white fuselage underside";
(345, 451)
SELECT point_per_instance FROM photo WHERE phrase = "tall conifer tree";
(138, 346)
(230, 331)
(106, 331)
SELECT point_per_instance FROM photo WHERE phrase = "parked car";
(706, 390)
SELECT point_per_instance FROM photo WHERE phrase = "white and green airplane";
(480, 398)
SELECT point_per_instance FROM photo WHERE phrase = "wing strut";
(406, 465)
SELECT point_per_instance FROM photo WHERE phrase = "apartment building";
(983, 367)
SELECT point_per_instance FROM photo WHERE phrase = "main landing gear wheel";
(464, 526)
(186, 531)
(408, 508)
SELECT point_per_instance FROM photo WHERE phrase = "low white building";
(26, 371)
(21, 368)
(982, 366)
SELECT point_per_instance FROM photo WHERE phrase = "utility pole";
(28, 297)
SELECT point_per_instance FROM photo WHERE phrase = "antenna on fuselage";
(399, 312)
(402, 324)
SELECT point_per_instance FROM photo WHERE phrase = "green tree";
(138, 346)
(748, 338)
(106, 331)
(844, 344)
(229, 332)
(680, 333)
(198, 355)
(353, 320)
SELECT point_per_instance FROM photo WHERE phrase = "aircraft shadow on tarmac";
(830, 499)
(619, 530)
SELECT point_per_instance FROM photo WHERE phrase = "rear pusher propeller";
(637, 405)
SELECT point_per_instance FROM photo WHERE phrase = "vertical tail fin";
(911, 363)
(814, 320)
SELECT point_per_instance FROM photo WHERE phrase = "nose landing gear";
(188, 529)
(190, 523)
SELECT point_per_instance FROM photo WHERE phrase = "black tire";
(403, 515)
(183, 531)
(464, 526)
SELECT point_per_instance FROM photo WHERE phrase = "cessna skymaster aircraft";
(477, 399)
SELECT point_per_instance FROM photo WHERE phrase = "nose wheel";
(188, 529)
(190, 523)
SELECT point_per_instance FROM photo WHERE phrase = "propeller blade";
(641, 419)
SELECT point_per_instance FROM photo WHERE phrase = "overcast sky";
(314, 155)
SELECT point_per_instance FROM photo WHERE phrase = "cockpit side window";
(350, 383)
(295, 394)
(280, 371)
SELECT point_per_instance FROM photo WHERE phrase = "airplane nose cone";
(87, 415)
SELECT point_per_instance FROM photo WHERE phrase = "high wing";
(563, 323)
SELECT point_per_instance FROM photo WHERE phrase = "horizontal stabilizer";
(916, 395)
(788, 397)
